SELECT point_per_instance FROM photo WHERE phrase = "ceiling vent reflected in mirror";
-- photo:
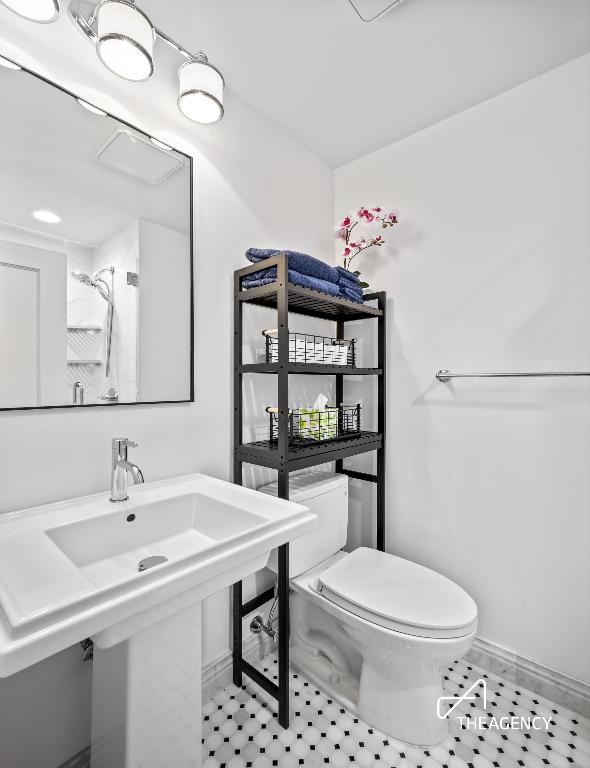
(371, 10)
(138, 157)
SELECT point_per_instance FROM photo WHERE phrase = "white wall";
(253, 186)
(489, 270)
(163, 314)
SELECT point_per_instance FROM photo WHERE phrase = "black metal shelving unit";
(285, 298)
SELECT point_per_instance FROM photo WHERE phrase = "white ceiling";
(48, 146)
(345, 88)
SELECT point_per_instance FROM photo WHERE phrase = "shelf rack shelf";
(310, 368)
(266, 454)
(287, 298)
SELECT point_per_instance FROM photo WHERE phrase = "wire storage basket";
(307, 348)
(310, 425)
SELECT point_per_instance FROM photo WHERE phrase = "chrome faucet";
(122, 468)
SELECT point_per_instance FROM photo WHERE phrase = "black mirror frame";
(191, 398)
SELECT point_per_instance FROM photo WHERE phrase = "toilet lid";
(398, 594)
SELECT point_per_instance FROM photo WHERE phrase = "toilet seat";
(398, 594)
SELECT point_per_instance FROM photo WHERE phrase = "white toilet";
(374, 631)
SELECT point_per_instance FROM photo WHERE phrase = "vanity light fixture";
(201, 91)
(48, 217)
(91, 107)
(124, 39)
(7, 64)
(42, 11)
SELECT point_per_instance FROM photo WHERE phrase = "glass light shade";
(201, 92)
(42, 11)
(125, 43)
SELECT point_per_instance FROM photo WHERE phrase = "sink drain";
(149, 562)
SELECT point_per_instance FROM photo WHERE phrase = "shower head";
(84, 278)
(107, 294)
(95, 282)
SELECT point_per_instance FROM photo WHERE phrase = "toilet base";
(400, 699)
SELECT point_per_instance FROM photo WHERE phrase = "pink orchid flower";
(366, 216)
(375, 216)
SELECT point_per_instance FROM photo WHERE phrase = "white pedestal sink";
(132, 577)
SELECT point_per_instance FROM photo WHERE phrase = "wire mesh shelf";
(308, 348)
(309, 426)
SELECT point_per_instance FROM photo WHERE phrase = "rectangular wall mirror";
(95, 255)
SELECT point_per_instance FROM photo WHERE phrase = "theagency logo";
(469, 695)
(478, 723)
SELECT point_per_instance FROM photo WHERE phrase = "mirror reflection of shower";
(100, 284)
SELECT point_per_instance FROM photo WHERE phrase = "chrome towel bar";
(446, 376)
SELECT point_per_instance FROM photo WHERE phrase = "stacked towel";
(354, 294)
(306, 271)
(267, 276)
(349, 285)
(299, 262)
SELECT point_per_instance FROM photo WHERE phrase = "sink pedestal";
(146, 696)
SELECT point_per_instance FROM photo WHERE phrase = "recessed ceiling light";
(160, 144)
(91, 107)
(47, 216)
(9, 64)
(43, 11)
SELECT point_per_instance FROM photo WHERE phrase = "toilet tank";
(326, 494)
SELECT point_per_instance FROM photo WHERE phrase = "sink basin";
(71, 570)
(132, 576)
(109, 548)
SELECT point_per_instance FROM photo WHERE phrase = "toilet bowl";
(373, 630)
(394, 679)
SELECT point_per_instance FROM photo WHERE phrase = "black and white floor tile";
(240, 730)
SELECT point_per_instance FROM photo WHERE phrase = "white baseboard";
(218, 673)
(557, 686)
(561, 688)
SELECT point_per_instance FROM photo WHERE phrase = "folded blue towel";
(352, 294)
(345, 277)
(346, 283)
(299, 262)
(267, 276)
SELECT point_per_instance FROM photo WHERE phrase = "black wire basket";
(307, 348)
(309, 426)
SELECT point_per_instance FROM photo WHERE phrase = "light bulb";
(42, 11)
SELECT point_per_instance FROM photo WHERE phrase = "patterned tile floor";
(240, 730)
